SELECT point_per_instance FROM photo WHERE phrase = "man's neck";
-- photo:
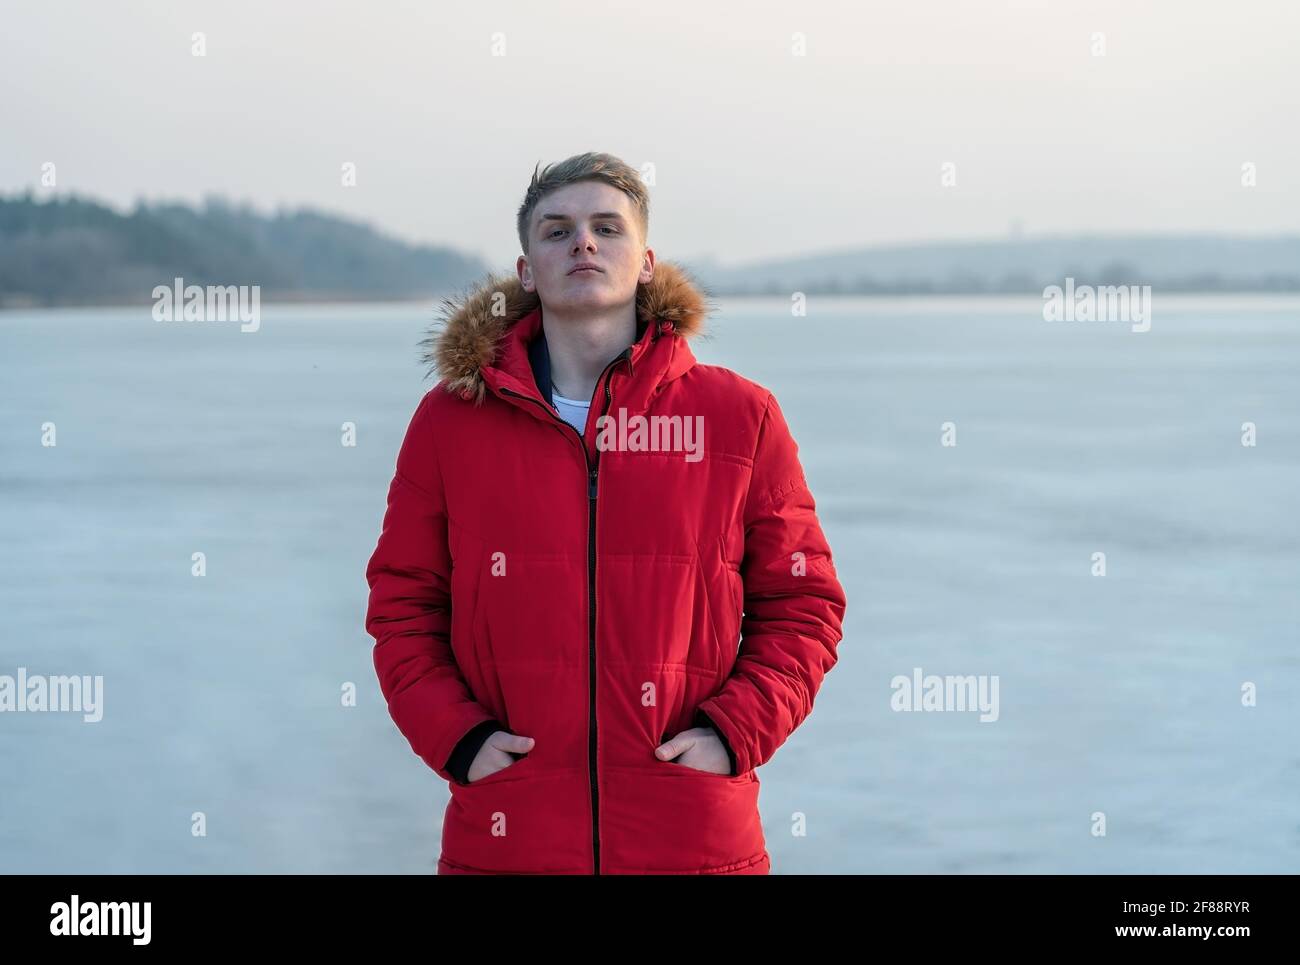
(580, 348)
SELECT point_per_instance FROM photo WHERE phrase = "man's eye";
(556, 231)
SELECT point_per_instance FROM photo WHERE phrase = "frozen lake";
(1119, 694)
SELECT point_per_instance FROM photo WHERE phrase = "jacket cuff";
(467, 748)
(702, 720)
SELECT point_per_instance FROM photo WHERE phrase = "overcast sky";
(756, 152)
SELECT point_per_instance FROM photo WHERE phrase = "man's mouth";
(582, 269)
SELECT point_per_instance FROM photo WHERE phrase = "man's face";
(585, 223)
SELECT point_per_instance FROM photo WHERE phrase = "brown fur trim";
(463, 339)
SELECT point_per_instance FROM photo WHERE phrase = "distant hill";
(74, 251)
(1189, 263)
(70, 251)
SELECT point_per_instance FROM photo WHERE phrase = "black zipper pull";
(591, 484)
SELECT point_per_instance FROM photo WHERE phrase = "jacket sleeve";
(794, 606)
(409, 613)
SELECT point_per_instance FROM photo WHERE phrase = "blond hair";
(592, 166)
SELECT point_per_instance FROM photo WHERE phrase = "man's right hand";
(495, 753)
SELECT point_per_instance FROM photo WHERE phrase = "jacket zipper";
(593, 468)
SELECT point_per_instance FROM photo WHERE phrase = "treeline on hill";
(74, 251)
(70, 251)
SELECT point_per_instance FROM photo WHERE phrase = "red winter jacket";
(598, 598)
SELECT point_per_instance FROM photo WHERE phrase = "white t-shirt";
(572, 411)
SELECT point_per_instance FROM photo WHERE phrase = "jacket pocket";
(522, 819)
(739, 779)
(686, 821)
(516, 771)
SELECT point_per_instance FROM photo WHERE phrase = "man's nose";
(584, 239)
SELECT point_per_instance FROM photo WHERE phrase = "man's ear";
(525, 273)
(647, 267)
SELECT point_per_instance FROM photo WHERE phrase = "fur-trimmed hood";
(465, 337)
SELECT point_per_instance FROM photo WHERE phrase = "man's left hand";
(699, 748)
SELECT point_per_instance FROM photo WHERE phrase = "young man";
(601, 597)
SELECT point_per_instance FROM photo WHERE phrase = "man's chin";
(574, 300)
